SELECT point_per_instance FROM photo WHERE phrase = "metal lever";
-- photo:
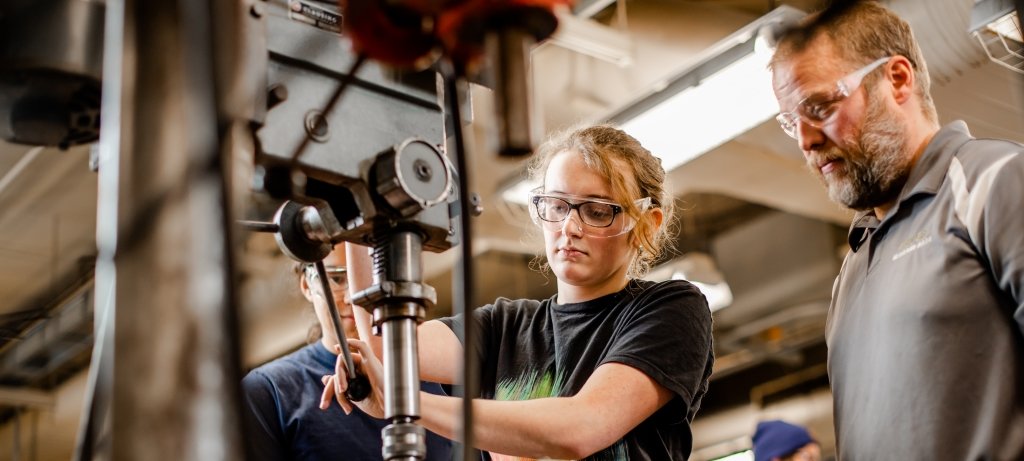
(259, 226)
(358, 385)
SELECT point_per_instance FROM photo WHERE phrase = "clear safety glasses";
(336, 275)
(815, 110)
(599, 218)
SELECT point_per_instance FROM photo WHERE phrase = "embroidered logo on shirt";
(916, 241)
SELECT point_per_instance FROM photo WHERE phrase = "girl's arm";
(614, 400)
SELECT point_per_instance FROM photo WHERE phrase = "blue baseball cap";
(775, 439)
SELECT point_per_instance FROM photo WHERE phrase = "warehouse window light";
(700, 269)
(518, 192)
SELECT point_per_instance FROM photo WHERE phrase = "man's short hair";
(860, 32)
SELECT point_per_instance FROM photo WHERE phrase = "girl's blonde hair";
(633, 173)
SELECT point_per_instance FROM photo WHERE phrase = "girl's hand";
(336, 384)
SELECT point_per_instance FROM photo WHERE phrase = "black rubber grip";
(358, 388)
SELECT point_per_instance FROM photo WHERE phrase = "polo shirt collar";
(930, 170)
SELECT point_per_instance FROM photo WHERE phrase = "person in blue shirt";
(281, 398)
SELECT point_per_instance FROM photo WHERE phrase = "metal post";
(398, 264)
(164, 251)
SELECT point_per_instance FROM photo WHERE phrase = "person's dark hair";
(861, 32)
(633, 173)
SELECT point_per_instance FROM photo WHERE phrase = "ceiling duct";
(55, 346)
(786, 277)
(942, 30)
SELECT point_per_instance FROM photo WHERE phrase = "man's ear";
(901, 74)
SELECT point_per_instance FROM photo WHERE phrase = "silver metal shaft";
(401, 368)
(398, 262)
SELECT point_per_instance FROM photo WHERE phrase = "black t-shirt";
(533, 349)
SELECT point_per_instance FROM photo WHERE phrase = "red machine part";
(462, 30)
(391, 33)
(412, 33)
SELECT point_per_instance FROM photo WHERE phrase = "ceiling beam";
(26, 397)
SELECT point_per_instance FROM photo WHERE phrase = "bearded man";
(925, 333)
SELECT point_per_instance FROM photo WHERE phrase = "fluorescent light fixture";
(996, 26)
(700, 118)
(1007, 26)
(725, 94)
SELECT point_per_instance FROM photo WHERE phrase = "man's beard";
(875, 169)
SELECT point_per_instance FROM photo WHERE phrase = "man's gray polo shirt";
(926, 356)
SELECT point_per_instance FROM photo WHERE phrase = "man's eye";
(819, 111)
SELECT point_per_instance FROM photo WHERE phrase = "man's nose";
(809, 137)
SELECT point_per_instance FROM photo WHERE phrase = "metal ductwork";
(57, 346)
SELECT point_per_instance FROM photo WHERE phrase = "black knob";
(358, 388)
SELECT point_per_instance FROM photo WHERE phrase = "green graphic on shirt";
(531, 386)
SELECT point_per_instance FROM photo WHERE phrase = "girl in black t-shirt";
(611, 367)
